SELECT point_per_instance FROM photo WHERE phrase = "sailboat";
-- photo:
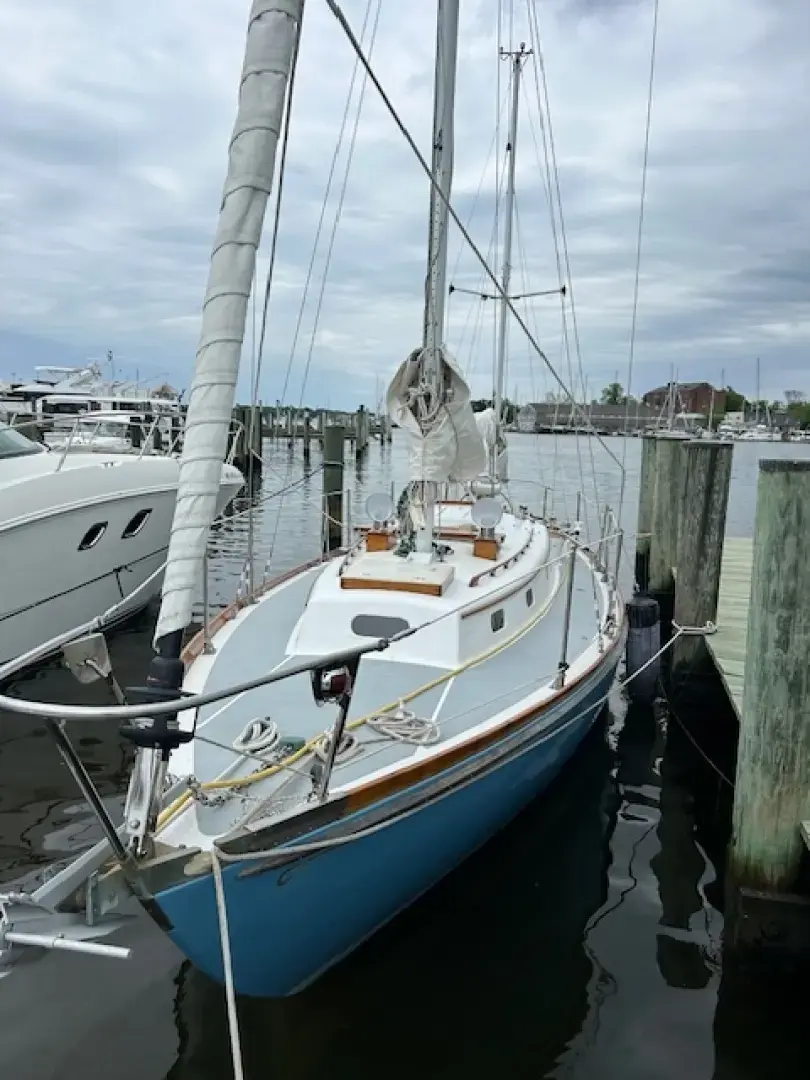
(326, 751)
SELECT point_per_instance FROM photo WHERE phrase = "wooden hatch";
(382, 570)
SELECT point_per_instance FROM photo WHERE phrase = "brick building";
(690, 397)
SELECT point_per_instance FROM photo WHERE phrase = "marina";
(614, 881)
(340, 740)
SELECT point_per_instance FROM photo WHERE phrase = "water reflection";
(487, 975)
(581, 943)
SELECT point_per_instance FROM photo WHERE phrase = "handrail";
(491, 570)
(149, 436)
(68, 443)
(53, 711)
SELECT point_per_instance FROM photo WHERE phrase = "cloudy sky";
(115, 124)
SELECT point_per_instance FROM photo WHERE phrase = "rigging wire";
(544, 170)
(636, 282)
(322, 216)
(332, 236)
(534, 35)
(337, 11)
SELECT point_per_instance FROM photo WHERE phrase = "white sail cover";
(487, 423)
(271, 37)
(451, 448)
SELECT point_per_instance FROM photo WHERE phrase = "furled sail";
(447, 446)
(271, 38)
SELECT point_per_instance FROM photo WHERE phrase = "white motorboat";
(80, 533)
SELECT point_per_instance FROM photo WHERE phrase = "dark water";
(583, 942)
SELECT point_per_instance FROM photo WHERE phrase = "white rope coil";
(403, 725)
(259, 734)
(348, 747)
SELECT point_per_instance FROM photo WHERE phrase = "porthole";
(529, 597)
(497, 620)
(136, 524)
(93, 535)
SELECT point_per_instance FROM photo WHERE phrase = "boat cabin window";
(136, 524)
(378, 626)
(93, 535)
(65, 408)
(497, 620)
(117, 428)
(13, 444)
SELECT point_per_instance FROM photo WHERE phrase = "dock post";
(706, 479)
(253, 422)
(333, 446)
(772, 791)
(646, 494)
(666, 505)
(360, 431)
(307, 434)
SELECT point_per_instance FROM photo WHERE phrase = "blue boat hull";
(289, 924)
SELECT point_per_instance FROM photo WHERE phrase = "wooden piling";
(666, 505)
(360, 431)
(247, 425)
(772, 792)
(706, 477)
(307, 434)
(646, 494)
(333, 445)
(254, 437)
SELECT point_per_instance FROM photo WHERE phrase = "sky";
(115, 121)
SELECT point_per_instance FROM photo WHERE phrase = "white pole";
(436, 282)
(506, 275)
(442, 167)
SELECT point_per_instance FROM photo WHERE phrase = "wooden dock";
(727, 646)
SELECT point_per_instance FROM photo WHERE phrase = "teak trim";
(426, 588)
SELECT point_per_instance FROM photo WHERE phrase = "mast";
(442, 168)
(517, 60)
(431, 367)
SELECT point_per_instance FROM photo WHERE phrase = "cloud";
(116, 124)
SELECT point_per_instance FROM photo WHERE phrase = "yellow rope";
(182, 801)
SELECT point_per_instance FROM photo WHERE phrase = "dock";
(727, 645)
(741, 609)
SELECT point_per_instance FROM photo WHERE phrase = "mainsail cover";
(450, 447)
(271, 38)
(487, 422)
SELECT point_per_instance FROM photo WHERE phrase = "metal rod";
(545, 501)
(517, 60)
(207, 646)
(604, 542)
(619, 543)
(55, 711)
(87, 788)
(334, 745)
(57, 941)
(562, 667)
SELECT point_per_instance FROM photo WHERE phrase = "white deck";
(487, 651)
